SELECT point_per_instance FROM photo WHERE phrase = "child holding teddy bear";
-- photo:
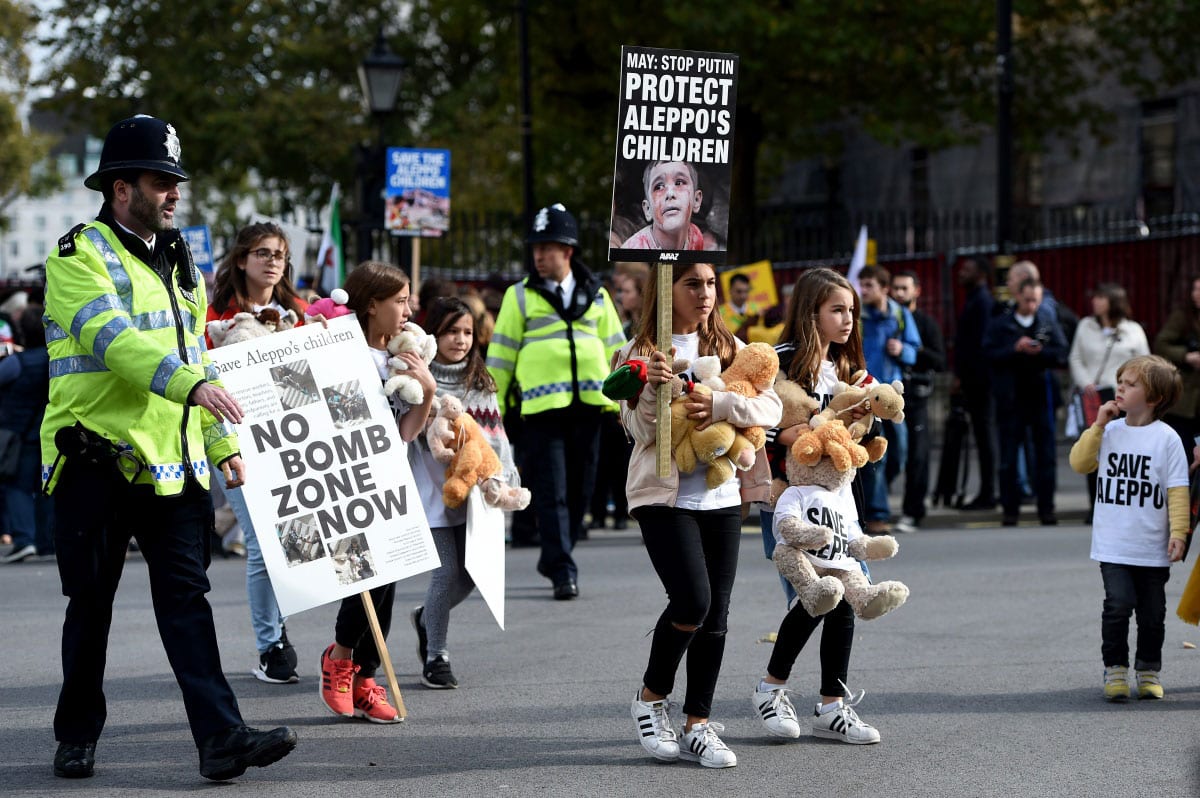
(460, 372)
(692, 533)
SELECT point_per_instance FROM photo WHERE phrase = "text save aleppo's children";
(1141, 517)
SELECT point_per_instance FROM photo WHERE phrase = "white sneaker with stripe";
(776, 712)
(703, 745)
(841, 722)
(654, 727)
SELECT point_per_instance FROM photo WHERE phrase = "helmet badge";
(542, 220)
(174, 151)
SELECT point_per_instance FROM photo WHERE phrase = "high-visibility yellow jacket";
(126, 345)
(554, 355)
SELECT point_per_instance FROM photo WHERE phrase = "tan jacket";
(643, 485)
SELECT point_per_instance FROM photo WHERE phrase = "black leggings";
(836, 640)
(352, 629)
(695, 554)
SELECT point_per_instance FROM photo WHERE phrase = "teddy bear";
(798, 408)
(330, 307)
(246, 326)
(455, 439)
(821, 540)
(880, 399)
(722, 446)
(410, 339)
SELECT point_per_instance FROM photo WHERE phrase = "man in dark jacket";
(1024, 344)
(918, 387)
(973, 377)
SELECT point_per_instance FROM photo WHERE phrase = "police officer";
(555, 336)
(135, 414)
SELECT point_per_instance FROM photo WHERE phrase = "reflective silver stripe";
(75, 364)
(503, 340)
(521, 298)
(101, 304)
(162, 375)
(116, 269)
(53, 331)
(154, 320)
(211, 374)
(108, 333)
(193, 353)
(498, 362)
(587, 325)
(616, 339)
(533, 325)
(550, 336)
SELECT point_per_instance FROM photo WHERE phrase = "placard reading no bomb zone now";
(674, 156)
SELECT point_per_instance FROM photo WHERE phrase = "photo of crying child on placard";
(669, 206)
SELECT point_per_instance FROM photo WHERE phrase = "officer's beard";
(146, 212)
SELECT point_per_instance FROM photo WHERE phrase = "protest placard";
(674, 156)
(328, 485)
(418, 192)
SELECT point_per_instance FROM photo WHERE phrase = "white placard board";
(328, 484)
(484, 556)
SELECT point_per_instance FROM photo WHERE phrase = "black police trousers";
(97, 511)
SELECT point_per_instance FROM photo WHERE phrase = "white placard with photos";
(328, 485)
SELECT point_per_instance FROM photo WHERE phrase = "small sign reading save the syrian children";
(328, 485)
(674, 156)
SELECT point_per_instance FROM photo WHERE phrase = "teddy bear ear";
(899, 386)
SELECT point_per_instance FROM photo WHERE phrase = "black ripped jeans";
(695, 554)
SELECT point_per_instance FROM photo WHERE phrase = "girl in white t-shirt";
(692, 534)
(822, 344)
(379, 295)
(1140, 521)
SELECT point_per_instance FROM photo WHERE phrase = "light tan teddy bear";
(882, 400)
(821, 535)
(722, 446)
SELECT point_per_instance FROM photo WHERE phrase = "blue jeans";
(265, 617)
(877, 476)
(766, 520)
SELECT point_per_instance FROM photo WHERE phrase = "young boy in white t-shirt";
(1140, 521)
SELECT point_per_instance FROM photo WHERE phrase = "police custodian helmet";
(554, 223)
(138, 143)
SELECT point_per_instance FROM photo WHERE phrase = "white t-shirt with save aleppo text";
(812, 504)
(1130, 524)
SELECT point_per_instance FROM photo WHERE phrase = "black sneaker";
(275, 666)
(417, 616)
(288, 651)
(74, 760)
(438, 676)
(227, 754)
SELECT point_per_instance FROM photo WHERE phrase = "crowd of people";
(127, 435)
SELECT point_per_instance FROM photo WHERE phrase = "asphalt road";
(987, 683)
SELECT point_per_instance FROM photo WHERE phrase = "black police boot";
(227, 754)
(75, 760)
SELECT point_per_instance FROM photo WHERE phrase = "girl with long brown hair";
(692, 533)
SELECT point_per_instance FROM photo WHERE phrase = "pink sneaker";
(370, 702)
(337, 676)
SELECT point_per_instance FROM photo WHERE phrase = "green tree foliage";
(270, 85)
(20, 151)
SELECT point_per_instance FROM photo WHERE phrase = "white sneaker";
(654, 727)
(703, 745)
(842, 723)
(776, 712)
(906, 525)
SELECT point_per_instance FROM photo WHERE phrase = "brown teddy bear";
(821, 541)
(455, 439)
(881, 400)
(720, 445)
(798, 408)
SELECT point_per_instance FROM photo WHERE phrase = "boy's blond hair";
(1159, 378)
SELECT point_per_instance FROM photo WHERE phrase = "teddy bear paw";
(884, 597)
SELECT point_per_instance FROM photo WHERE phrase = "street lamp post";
(379, 76)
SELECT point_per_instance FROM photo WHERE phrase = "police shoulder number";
(66, 244)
